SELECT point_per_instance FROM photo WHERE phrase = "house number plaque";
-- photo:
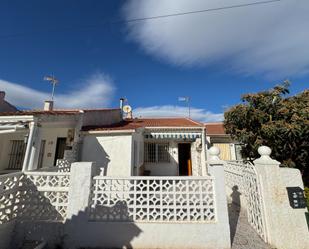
(296, 197)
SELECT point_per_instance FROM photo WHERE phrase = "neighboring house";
(4, 105)
(36, 139)
(216, 136)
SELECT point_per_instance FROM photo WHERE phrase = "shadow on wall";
(233, 210)
(109, 234)
(25, 202)
(80, 231)
(21, 202)
(98, 155)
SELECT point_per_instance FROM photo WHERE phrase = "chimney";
(121, 106)
(121, 103)
(48, 105)
(2, 96)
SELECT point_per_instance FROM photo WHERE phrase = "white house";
(89, 178)
(31, 140)
(37, 139)
(154, 146)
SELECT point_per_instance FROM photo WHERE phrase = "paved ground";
(243, 236)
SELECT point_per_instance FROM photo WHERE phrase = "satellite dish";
(127, 109)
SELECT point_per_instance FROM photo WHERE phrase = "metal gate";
(254, 200)
(244, 176)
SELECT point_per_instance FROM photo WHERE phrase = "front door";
(60, 148)
(184, 159)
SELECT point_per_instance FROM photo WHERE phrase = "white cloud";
(177, 111)
(269, 39)
(95, 91)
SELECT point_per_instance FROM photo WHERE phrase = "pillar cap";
(214, 158)
(265, 158)
(264, 151)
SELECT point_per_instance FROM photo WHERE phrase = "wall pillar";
(286, 227)
(80, 187)
(35, 149)
(203, 153)
(216, 169)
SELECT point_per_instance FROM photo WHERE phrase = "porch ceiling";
(9, 127)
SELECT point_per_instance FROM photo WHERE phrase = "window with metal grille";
(41, 154)
(157, 153)
(17, 154)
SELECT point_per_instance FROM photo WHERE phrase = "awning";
(9, 127)
(173, 135)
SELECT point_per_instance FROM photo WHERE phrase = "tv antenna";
(54, 82)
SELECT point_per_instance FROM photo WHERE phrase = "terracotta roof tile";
(215, 129)
(130, 124)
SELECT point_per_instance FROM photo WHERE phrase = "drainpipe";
(29, 146)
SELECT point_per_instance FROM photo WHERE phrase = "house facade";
(155, 147)
(89, 178)
(36, 140)
(40, 139)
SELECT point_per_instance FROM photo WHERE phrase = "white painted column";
(29, 146)
(203, 154)
(80, 187)
(216, 169)
(35, 149)
(286, 227)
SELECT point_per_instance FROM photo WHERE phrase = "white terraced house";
(89, 178)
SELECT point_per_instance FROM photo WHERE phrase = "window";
(41, 154)
(157, 153)
(17, 154)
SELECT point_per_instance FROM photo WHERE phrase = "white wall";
(112, 152)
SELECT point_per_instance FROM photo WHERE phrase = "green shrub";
(307, 196)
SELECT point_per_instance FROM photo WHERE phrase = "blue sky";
(213, 57)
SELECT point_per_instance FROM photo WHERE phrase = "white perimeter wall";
(112, 152)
